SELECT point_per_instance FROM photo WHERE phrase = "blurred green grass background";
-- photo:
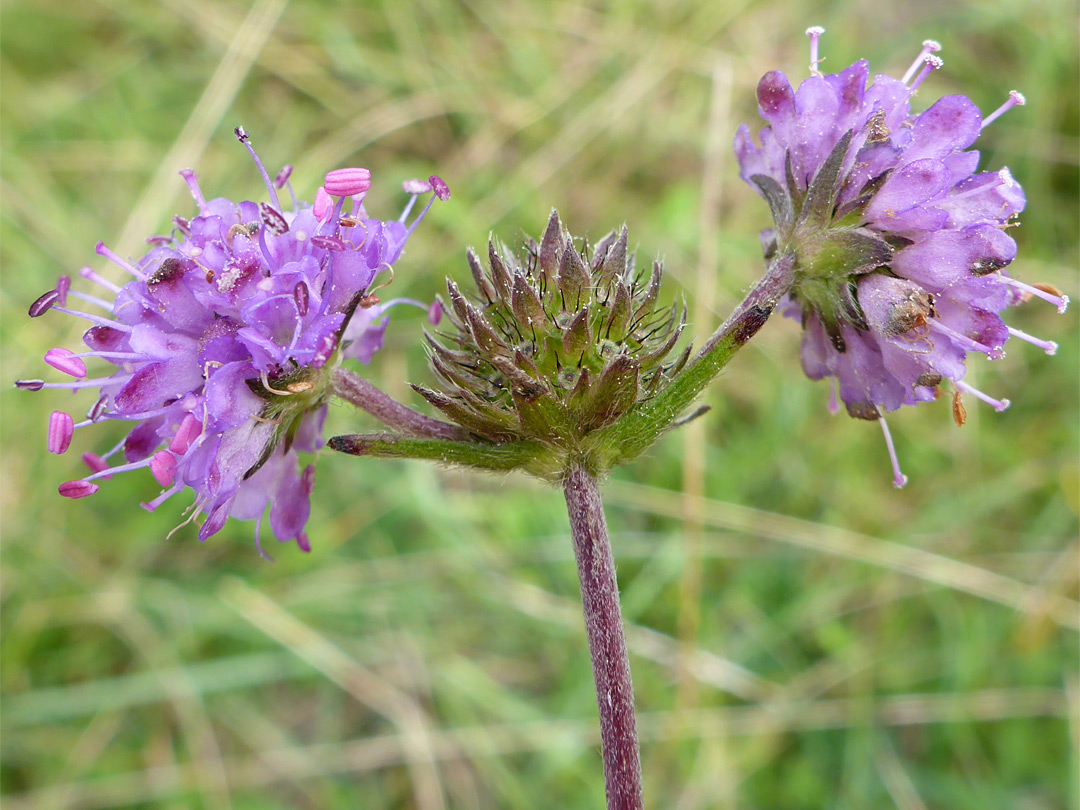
(802, 634)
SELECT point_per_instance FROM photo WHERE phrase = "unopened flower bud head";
(553, 345)
(901, 245)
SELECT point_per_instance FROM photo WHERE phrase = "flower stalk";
(607, 643)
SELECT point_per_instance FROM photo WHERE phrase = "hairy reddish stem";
(365, 396)
(607, 644)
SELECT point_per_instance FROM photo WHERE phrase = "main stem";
(607, 644)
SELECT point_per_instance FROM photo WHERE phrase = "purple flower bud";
(61, 429)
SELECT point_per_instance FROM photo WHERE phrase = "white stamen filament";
(1059, 301)
(899, 479)
(1016, 99)
(1047, 346)
(965, 342)
(932, 63)
(929, 46)
(996, 404)
(814, 32)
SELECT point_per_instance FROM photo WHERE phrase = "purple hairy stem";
(365, 396)
(607, 645)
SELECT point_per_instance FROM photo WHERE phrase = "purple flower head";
(901, 246)
(220, 348)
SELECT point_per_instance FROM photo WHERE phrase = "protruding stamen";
(192, 181)
(1059, 301)
(438, 185)
(1016, 99)
(965, 342)
(158, 240)
(1047, 346)
(188, 432)
(932, 63)
(95, 382)
(44, 303)
(328, 243)
(929, 46)
(347, 182)
(272, 219)
(98, 409)
(899, 479)
(416, 186)
(163, 467)
(242, 136)
(77, 489)
(301, 296)
(65, 360)
(120, 327)
(996, 404)
(283, 176)
(61, 429)
(814, 32)
(102, 250)
(322, 205)
(834, 404)
(96, 464)
(92, 299)
(434, 313)
(88, 273)
(63, 285)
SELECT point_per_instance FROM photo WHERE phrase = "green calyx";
(287, 397)
(553, 347)
(830, 245)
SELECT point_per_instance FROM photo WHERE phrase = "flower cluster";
(901, 245)
(223, 343)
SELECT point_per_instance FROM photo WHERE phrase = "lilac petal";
(142, 440)
(911, 186)
(816, 108)
(816, 352)
(155, 383)
(309, 436)
(229, 401)
(950, 125)
(290, 505)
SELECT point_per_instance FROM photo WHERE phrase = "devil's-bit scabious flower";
(223, 344)
(900, 244)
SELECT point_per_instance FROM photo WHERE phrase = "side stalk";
(607, 645)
